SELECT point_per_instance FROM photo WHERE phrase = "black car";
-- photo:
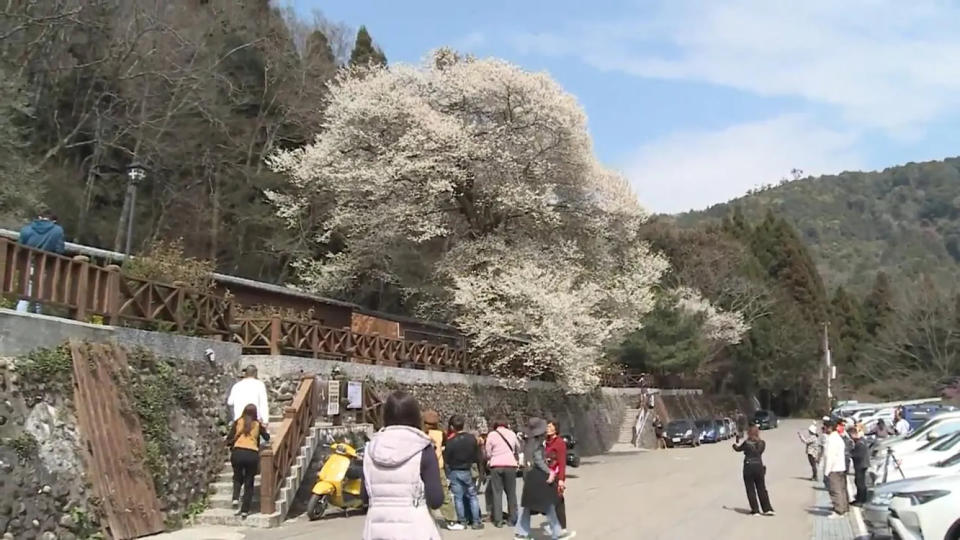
(680, 432)
(766, 419)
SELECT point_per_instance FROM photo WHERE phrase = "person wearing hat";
(249, 390)
(539, 489)
(811, 439)
(431, 426)
(835, 469)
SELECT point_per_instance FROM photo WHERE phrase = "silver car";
(877, 511)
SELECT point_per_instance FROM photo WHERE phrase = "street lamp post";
(135, 174)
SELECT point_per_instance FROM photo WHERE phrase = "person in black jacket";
(861, 462)
(460, 454)
(754, 471)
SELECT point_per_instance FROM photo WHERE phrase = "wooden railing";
(279, 336)
(85, 289)
(626, 379)
(276, 460)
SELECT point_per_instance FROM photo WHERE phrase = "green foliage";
(902, 221)
(365, 52)
(19, 188)
(25, 445)
(49, 367)
(85, 528)
(166, 262)
(878, 305)
(670, 342)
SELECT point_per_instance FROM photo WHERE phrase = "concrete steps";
(220, 510)
(626, 428)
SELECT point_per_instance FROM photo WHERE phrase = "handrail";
(277, 459)
(277, 335)
(86, 289)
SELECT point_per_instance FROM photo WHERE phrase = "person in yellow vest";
(244, 439)
(431, 426)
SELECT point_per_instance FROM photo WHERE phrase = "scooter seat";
(354, 471)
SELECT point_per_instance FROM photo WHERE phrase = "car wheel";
(954, 532)
(316, 507)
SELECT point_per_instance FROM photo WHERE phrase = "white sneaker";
(455, 526)
(567, 534)
(235, 503)
(770, 513)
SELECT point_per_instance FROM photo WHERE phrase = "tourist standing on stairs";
(250, 391)
(401, 476)
(460, 454)
(556, 452)
(754, 472)
(244, 440)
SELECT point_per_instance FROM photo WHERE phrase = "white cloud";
(886, 64)
(692, 170)
(470, 41)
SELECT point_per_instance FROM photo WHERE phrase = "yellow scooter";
(338, 482)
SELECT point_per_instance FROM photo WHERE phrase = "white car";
(948, 466)
(926, 455)
(876, 512)
(938, 426)
(927, 510)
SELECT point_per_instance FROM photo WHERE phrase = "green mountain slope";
(904, 220)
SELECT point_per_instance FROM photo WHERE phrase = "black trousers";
(562, 512)
(245, 464)
(860, 479)
(755, 483)
(813, 466)
(503, 480)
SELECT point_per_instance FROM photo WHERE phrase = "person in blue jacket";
(44, 234)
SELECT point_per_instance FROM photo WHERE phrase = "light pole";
(135, 174)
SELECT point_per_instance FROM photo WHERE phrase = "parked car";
(876, 512)
(928, 454)
(766, 419)
(724, 429)
(573, 458)
(950, 465)
(709, 430)
(928, 509)
(679, 432)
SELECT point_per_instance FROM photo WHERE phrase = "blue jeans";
(523, 524)
(461, 485)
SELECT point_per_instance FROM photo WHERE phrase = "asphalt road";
(667, 494)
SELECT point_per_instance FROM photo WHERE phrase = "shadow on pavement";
(743, 511)
(819, 511)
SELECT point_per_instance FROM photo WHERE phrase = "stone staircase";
(625, 441)
(219, 510)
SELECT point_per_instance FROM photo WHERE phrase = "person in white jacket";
(835, 470)
(249, 390)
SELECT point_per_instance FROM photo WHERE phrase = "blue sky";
(697, 102)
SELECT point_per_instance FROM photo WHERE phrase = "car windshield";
(761, 414)
(678, 425)
(949, 462)
(941, 445)
(704, 424)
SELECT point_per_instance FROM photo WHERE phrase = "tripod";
(886, 465)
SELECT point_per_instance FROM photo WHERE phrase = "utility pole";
(828, 364)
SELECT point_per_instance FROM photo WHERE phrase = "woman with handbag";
(539, 484)
(501, 449)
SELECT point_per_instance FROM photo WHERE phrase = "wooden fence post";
(276, 336)
(83, 287)
(268, 484)
(112, 292)
(178, 308)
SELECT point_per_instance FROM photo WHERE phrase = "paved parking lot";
(668, 494)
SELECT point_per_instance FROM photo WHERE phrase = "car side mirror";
(932, 436)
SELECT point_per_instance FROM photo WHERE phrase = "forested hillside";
(903, 220)
(198, 91)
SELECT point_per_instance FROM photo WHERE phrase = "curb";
(859, 527)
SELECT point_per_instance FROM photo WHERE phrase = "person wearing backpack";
(502, 450)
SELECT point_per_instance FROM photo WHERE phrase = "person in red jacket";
(556, 454)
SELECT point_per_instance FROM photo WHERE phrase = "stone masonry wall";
(594, 419)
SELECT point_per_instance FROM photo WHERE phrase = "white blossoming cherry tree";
(472, 185)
